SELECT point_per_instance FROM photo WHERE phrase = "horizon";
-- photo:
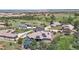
(39, 9)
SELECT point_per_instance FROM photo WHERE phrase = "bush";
(20, 41)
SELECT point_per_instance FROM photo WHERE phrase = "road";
(23, 35)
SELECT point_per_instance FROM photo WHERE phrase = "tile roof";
(68, 26)
(40, 35)
(9, 35)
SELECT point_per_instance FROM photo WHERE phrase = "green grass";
(15, 22)
(13, 46)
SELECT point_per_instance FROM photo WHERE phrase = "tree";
(70, 19)
(38, 45)
(65, 42)
(43, 24)
(33, 45)
(65, 20)
(43, 45)
(76, 41)
(76, 24)
(76, 44)
(10, 44)
(6, 24)
(61, 43)
(53, 44)
(20, 41)
(53, 18)
(76, 14)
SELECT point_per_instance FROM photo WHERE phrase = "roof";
(68, 26)
(40, 35)
(24, 26)
(9, 35)
(55, 24)
(2, 23)
(2, 26)
(27, 25)
(38, 29)
(7, 31)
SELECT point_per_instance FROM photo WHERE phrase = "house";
(8, 35)
(67, 28)
(54, 24)
(25, 26)
(2, 25)
(38, 29)
(40, 35)
(7, 31)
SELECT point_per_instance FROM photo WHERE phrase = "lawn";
(10, 45)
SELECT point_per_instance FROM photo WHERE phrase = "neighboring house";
(24, 26)
(10, 31)
(67, 29)
(2, 25)
(40, 35)
(7, 31)
(54, 24)
(38, 29)
(68, 26)
(8, 35)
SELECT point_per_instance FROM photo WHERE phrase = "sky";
(39, 4)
